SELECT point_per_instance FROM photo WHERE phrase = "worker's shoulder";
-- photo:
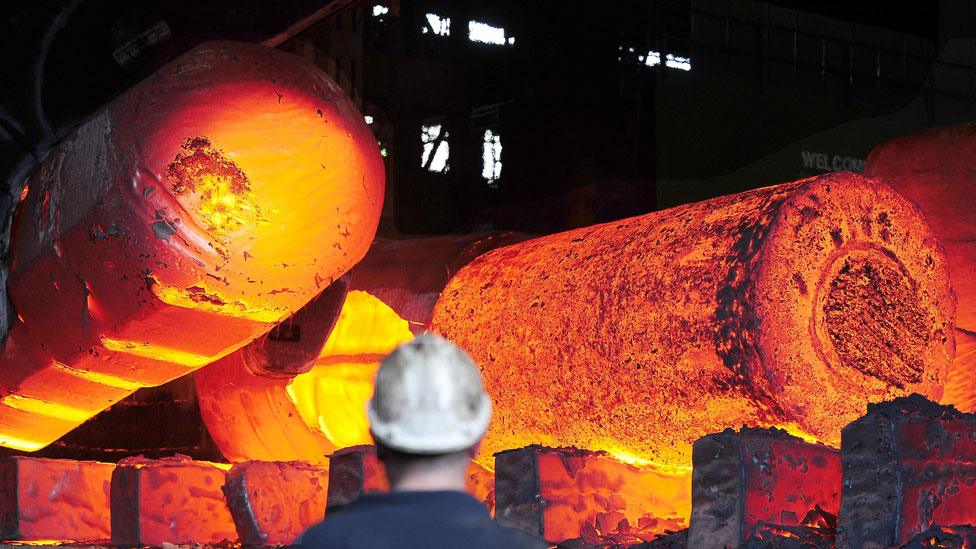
(329, 533)
(426, 520)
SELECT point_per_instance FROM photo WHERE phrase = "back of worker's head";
(429, 400)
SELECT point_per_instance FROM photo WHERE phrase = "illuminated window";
(653, 59)
(491, 157)
(379, 10)
(438, 25)
(436, 150)
(487, 34)
(675, 62)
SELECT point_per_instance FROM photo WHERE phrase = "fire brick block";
(53, 499)
(172, 500)
(755, 482)
(908, 464)
(566, 493)
(273, 502)
(356, 470)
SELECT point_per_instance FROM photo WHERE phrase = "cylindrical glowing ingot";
(254, 416)
(259, 408)
(195, 211)
(791, 305)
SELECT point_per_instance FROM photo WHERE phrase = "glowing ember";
(565, 493)
(775, 307)
(945, 537)
(170, 230)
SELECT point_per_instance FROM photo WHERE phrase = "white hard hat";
(429, 399)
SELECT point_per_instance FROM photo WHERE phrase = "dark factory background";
(528, 115)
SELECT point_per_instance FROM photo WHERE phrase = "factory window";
(436, 151)
(491, 157)
(487, 34)
(653, 58)
(676, 62)
(438, 25)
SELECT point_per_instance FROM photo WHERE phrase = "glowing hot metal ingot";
(189, 216)
(261, 407)
(792, 305)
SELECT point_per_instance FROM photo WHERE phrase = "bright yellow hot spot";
(45, 408)
(222, 208)
(20, 443)
(203, 298)
(157, 352)
(331, 398)
(96, 377)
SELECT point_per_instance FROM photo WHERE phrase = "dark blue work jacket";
(428, 520)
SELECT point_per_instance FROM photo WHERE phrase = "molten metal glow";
(203, 298)
(332, 396)
(174, 500)
(44, 408)
(50, 499)
(187, 218)
(98, 378)
(584, 493)
(156, 352)
(774, 307)
(312, 414)
(20, 444)
(960, 388)
(397, 285)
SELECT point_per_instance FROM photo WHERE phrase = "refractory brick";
(273, 502)
(751, 482)
(54, 499)
(173, 500)
(909, 464)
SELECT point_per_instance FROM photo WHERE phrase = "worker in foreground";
(428, 415)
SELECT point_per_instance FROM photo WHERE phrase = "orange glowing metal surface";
(792, 305)
(960, 388)
(47, 501)
(314, 413)
(187, 218)
(588, 494)
(173, 500)
(274, 502)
